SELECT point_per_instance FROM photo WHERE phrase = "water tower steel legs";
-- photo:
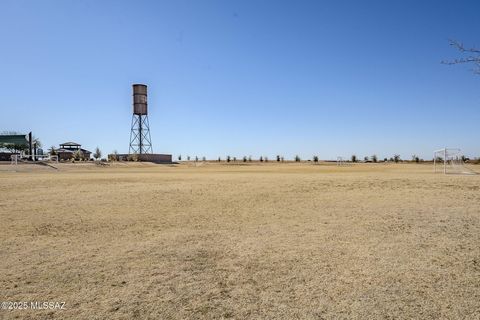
(140, 140)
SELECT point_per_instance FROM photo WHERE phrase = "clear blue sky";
(332, 78)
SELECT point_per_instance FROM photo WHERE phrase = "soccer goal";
(340, 161)
(451, 161)
(14, 159)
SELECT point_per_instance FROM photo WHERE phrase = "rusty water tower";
(140, 140)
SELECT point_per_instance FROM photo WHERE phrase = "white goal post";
(452, 161)
(14, 159)
(340, 161)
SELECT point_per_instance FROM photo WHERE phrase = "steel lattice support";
(140, 140)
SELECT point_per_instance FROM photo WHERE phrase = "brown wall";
(155, 157)
(64, 156)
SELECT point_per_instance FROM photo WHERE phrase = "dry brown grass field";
(214, 241)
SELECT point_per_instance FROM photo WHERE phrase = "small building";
(68, 150)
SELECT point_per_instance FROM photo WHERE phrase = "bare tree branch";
(461, 47)
(475, 60)
(473, 56)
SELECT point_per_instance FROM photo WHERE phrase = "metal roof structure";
(70, 143)
(14, 139)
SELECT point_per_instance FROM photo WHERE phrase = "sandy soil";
(289, 241)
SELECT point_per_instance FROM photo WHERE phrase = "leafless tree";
(470, 55)
(97, 154)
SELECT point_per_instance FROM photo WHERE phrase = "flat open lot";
(287, 241)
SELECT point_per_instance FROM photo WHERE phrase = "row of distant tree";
(395, 158)
(234, 159)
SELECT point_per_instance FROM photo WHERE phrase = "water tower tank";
(140, 99)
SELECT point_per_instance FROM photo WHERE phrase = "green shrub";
(52, 151)
(132, 157)
(113, 156)
(78, 155)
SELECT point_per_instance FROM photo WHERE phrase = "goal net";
(450, 161)
(14, 158)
